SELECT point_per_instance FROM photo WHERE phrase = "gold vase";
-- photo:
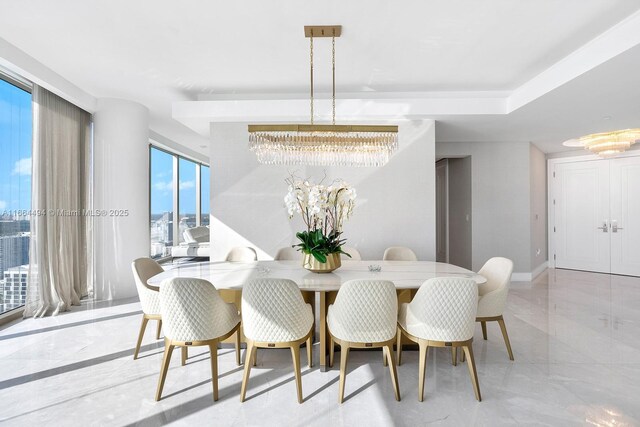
(315, 266)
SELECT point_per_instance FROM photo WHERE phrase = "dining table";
(229, 277)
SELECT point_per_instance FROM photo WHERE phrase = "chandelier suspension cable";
(311, 63)
(333, 70)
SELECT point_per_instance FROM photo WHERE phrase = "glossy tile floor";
(575, 335)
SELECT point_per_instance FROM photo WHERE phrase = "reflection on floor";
(574, 335)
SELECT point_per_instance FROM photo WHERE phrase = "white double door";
(597, 215)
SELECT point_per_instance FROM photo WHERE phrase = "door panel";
(442, 215)
(625, 216)
(582, 205)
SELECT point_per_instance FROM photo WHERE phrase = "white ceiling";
(605, 98)
(160, 52)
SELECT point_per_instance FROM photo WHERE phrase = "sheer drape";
(59, 260)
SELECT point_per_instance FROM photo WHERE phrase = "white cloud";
(168, 185)
(22, 167)
(184, 185)
(3, 204)
(163, 185)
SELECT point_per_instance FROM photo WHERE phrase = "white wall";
(121, 174)
(500, 199)
(538, 168)
(395, 205)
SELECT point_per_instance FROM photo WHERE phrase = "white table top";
(232, 275)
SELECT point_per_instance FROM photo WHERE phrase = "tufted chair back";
(365, 311)
(288, 254)
(143, 270)
(273, 310)
(493, 293)
(242, 254)
(443, 309)
(192, 310)
(399, 253)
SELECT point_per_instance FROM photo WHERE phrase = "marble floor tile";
(574, 336)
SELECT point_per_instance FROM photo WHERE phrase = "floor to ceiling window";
(161, 179)
(15, 194)
(176, 193)
(187, 196)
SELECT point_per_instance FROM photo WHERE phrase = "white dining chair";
(274, 315)
(288, 254)
(364, 315)
(143, 270)
(442, 314)
(242, 254)
(493, 295)
(399, 253)
(355, 254)
(194, 314)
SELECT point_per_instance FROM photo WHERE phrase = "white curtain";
(60, 267)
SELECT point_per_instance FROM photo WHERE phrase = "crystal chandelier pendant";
(606, 144)
(323, 145)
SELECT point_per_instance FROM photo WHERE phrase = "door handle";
(614, 226)
(604, 228)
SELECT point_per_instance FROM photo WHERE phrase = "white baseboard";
(539, 270)
(528, 277)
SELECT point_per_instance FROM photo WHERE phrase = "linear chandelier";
(606, 144)
(323, 144)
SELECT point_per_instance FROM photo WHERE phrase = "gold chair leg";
(143, 326)
(464, 358)
(166, 359)
(295, 355)
(238, 347)
(392, 369)
(471, 363)
(399, 347)
(505, 336)
(454, 356)
(213, 349)
(484, 329)
(159, 329)
(332, 349)
(344, 354)
(248, 358)
(423, 369)
(185, 355)
(254, 361)
(384, 357)
(310, 351)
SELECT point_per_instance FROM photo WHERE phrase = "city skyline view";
(15, 194)
(162, 199)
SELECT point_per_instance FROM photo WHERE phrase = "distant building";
(14, 251)
(165, 224)
(14, 287)
(162, 235)
(13, 227)
(8, 228)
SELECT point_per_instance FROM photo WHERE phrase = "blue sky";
(15, 148)
(162, 179)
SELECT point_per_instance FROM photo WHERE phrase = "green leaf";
(319, 256)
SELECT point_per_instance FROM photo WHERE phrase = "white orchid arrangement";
(324, 209)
